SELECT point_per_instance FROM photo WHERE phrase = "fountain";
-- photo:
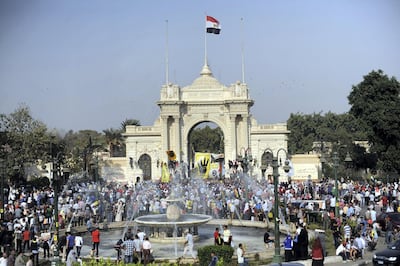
(166, 227)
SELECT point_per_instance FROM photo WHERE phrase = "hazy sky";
(90, 64)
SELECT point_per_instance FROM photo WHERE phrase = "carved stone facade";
(182, 109)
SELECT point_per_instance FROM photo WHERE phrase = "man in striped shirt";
(347, 231)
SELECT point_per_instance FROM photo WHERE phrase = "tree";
(376, 102)
(23, 141)
(114, 140)
(207, 139)
(129, 122)
(334, 128)
(79, 148)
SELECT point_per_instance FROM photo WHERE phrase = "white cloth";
(239, 253)
(340, 249)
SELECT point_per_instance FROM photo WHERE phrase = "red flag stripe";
(211, 19)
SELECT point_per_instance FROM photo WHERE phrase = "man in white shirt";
(188, 245)
(141, 235)
(146, 250)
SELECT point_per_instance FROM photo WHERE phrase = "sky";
(91, 64)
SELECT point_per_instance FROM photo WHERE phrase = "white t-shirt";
(240, 257)
(78, 241)
(146, 244)
(189, 239)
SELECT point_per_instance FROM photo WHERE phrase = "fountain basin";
(161, 220)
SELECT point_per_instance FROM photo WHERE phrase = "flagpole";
(166, 54)
(241, 31)
(205, 43)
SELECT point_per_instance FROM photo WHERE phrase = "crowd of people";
(28, 220)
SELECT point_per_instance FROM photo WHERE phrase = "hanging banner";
(203, 163)
(165, 176)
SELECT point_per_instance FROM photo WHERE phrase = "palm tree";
(129, 122)
(114, 140)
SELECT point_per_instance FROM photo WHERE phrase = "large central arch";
(205, 100)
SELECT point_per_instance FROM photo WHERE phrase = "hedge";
(223, 253)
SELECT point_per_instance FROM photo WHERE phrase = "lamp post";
(246, 159)
(56, 181)
(276, 163)
(348, 161)
(2, 166)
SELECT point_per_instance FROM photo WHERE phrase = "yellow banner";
(214, 170)
(202, 163)
(164, 173)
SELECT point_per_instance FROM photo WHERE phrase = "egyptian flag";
(212, 25)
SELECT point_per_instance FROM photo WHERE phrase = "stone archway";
(205, 100)
(191, 147)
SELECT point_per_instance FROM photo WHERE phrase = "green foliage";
(129, 122)
(23, 140)
(115, 141)
(40, 182)
(376, 102)
(207, 139)
(336, 129)
(224, 254)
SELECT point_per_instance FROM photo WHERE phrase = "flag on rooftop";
(212, 25)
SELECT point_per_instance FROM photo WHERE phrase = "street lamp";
(275, 172)
(246, 159)
(56, 183)
(2, 168)
(348, 161)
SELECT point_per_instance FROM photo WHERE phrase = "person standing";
(227, 236)
(129, 247)
(70, 243)
(96, 241)
(138, 248)
(26, 236)
(288, 246)
(141, 235)
(18, 238)
(389, 231)
(146, 250)
(128, 234)
(188, 245)
(35, 250)
(317, 253)
(78, 244)
(303, 243)
(240, 255)
(216, 235)
(46, 247)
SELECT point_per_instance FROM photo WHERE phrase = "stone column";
(164, 137)
(233, 135)
(177, 137)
